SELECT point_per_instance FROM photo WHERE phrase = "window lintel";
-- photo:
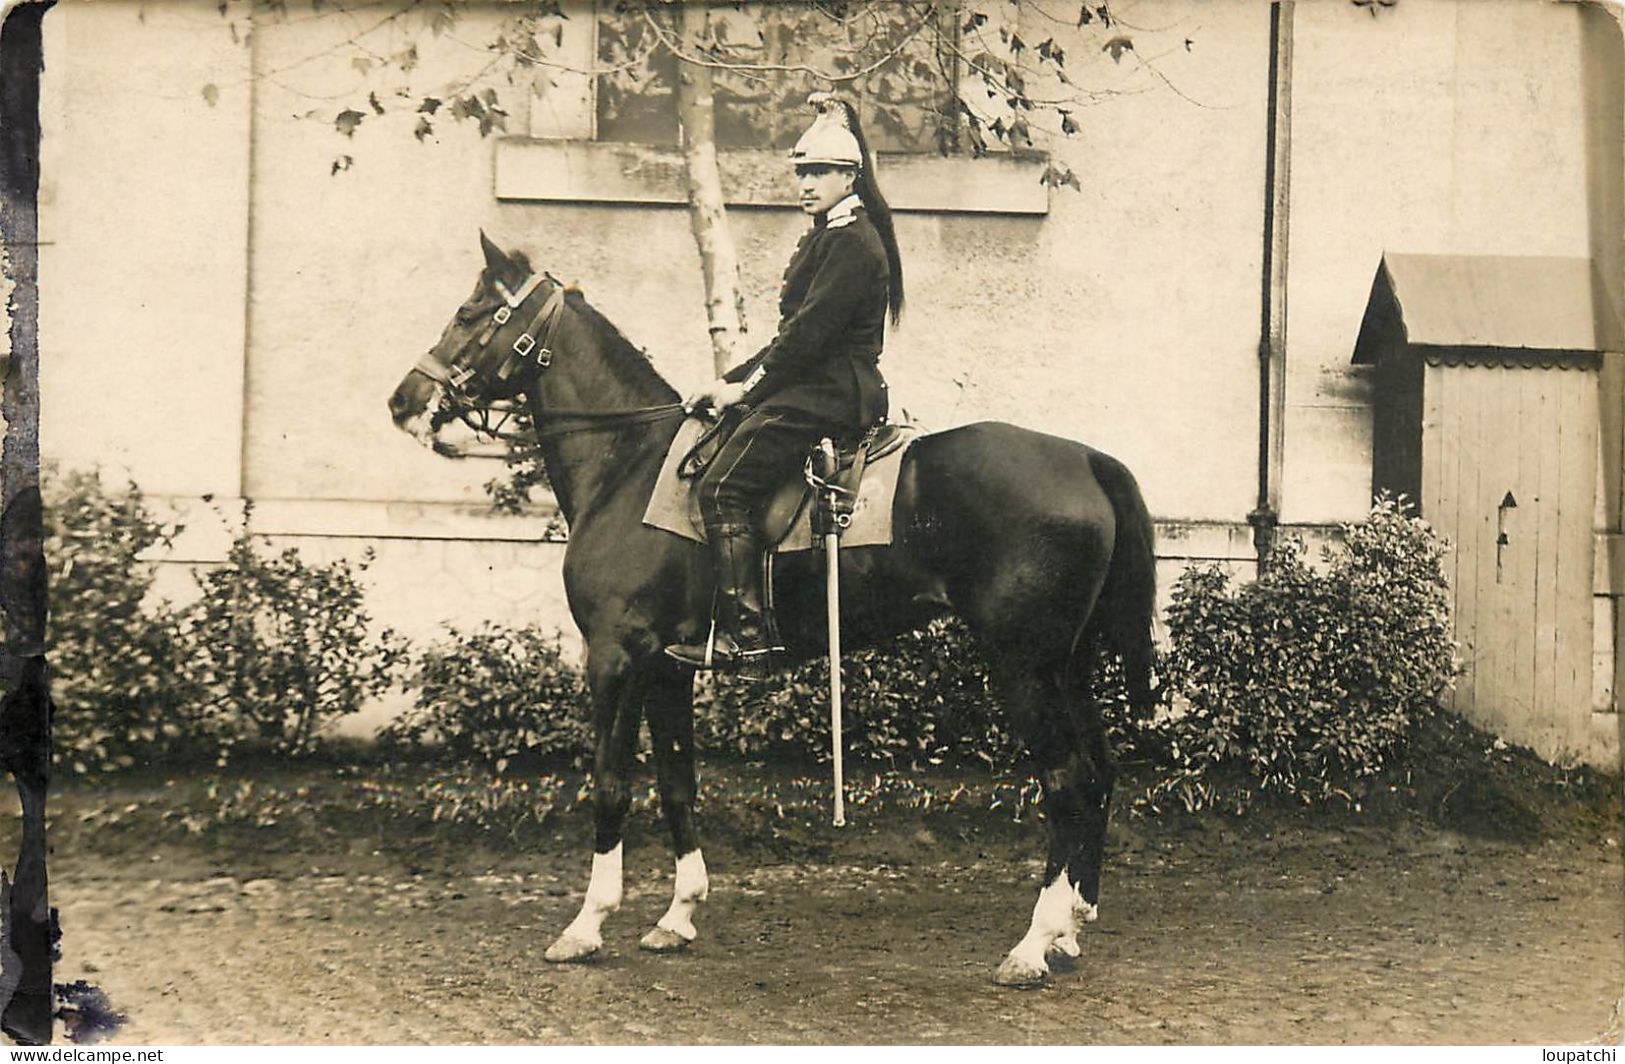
(577, 171)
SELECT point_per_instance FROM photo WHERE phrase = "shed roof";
(1493, 301)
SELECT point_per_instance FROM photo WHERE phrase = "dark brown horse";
(1042, 545)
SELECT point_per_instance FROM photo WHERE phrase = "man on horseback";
(1043, 545)
(818, 377)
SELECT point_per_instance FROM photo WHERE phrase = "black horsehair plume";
(875, 203)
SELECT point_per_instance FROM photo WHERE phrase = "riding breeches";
(767, 449)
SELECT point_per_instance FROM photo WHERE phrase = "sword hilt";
(827, 461)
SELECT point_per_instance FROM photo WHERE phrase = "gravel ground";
(1269, 928)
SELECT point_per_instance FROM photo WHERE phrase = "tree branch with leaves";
(950, 76)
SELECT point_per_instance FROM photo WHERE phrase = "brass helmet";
(829, 139)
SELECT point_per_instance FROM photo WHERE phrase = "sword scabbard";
(832, 604)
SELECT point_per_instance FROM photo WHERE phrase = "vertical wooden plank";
(1440, 382)
(1497, 465)
(1437, 495)
(1469, 524)
(1486, 494)
(1493, 458)
(1578, 551)
(1578, 456)
(1588, 412)
(1546, 437)
(1428, 501)
(1519, 553)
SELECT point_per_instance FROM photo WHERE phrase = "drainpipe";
(1266, 514)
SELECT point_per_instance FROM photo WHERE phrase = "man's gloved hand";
(719, 395)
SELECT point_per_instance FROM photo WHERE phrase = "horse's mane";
(620, 352)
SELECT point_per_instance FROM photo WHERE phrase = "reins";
(602, 420)
(478, 418)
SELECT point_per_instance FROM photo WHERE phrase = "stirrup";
(755, 663)
(691, 654)
(699, 655)
(712, 655)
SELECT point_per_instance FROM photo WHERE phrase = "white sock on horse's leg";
(603, 897)
(1057, 916)
(1068, 943)
(691, 888)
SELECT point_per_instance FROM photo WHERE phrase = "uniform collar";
(842, 210)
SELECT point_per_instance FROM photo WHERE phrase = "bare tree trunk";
(696, 112)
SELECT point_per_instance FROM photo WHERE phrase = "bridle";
(454, 376)
(534, 344)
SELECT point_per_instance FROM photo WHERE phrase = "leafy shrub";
(116, 678)
(502, 694)
(1304, 681)
(922, 699)
(280, 648)
(495, 694)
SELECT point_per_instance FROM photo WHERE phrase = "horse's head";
(486, 355)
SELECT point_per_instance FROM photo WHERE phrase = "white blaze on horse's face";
(412, 407)
(422, 394)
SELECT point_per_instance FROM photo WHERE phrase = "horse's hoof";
(1059, 960)
(659, 940)
(569, 949)
(1020, 974)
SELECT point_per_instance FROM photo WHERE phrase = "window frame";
(561, 158)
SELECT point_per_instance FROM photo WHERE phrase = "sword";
(832, 584)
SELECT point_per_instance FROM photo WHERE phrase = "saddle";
(789, 519)
(832, 493)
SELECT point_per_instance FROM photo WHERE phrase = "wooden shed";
(1489, 410)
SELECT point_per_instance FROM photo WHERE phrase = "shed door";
(1509, 476)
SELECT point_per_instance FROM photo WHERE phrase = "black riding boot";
(743, 634)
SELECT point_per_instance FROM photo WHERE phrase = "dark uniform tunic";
(819, 375)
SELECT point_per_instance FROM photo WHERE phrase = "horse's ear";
(495, 260)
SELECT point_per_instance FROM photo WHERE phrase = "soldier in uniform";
(818, 377)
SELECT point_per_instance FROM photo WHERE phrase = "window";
(935, 82)
(901, 59)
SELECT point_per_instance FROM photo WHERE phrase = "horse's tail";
(1125, 612)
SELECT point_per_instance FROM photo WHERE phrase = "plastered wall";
(1430, 128)
(231, 287)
